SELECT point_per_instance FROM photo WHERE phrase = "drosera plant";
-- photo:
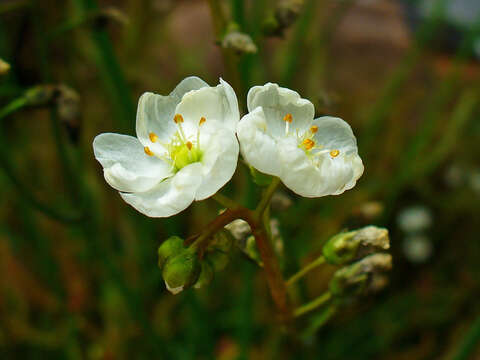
(186, 150)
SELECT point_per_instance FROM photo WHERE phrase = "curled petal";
(277, 102)
(171, 196)
(155, 113)
(212, 103)
(126, 167)
(257, 145)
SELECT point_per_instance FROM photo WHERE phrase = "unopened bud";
(239, 229)
(206, 275)
(361, 276)
(4, 67)
(68, 110)
(170, 247)
(41, 95)
(285, 15)
(353, 245)
(181, 271)
(239, 42)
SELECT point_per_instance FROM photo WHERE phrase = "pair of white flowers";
(186, 147)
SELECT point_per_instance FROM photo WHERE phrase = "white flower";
(279, 136)
(185, 148)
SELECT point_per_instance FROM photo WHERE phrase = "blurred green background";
(78, 272)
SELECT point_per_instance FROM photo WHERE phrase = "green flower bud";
(353, 245)
(361, 276)
(170, 247)
(181, 271)
(239, 42)
(206, 275)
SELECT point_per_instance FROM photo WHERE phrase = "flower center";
(181, 150)
(306, 140)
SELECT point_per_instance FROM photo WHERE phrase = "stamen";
(178, 119)
(288, 119)
(308, 144)
(189, 145)
(334, 153)
(153, 137)
(202, 120)
(314, 129)
(148, 151)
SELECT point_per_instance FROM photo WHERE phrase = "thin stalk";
(225, 201)
(312, 305)
(272, 269)
(267, 196)
(12, 107)
(304, 271)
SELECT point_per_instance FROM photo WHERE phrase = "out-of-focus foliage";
(79, 275)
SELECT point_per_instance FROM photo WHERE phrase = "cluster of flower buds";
(182, 266)
(361, 253)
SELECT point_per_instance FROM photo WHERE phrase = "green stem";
(12, 107)
(267, 196)
(314, 264)
(312, 305)
(225, 201)
(273, 274)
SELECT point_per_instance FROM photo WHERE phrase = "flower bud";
(353, 245)
(206, 275)
(284, 16)
(239, 229)
(170, 247)
(181, 271)
(4, 67)
(41, 95)
(239, 42)
(360, 277)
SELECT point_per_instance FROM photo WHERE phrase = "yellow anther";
(308, 144)
(178, 119)
(288, 118)
(189, 145)
(202, 120)
(334, 153)
(153, 137)
(314, 129)
(148, 151)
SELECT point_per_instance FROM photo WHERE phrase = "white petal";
(213, 103)
(126, 167)
(320, 177)
(334, 133)
(257, 145)
(155, 113)
(220, 155)
(171, 196)
(278, 102)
